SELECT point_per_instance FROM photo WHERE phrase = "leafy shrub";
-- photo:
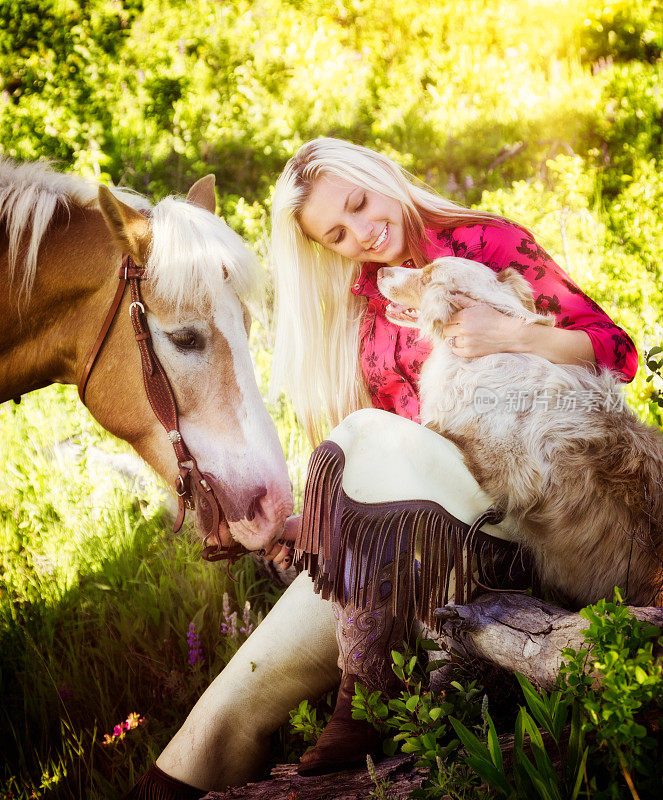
(631, 126)
(539, 778)
(654, 363)
(618, 685)
(622, 30)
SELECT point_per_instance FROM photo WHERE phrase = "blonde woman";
(340, 212)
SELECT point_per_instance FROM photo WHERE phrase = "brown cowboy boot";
(155, 784)
(366, 637)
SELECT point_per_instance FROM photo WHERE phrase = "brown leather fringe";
(337, 533)
(158, 785)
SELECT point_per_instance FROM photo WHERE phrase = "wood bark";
(520, 633)
(356, 784)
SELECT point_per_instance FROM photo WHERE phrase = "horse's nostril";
(255, 504)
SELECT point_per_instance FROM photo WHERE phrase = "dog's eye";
(187, 339)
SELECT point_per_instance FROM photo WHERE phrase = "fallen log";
(520, 633)
(397, 773)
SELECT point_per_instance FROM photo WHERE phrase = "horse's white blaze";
(225, 424)
(197, 261)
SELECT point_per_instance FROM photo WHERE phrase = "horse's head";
(198, 270)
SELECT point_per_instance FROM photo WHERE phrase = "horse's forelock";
(30, 193)
(195, 254)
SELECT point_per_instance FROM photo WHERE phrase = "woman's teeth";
(380, 239)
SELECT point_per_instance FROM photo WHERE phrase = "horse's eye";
(187, 340)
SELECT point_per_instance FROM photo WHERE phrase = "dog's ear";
(520, 287)
(523, 291)
(437, 308)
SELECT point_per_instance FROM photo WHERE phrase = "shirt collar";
(367, 280)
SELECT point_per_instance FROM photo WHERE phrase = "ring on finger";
(451, 341)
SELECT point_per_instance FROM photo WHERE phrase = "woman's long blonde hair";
(317, 324)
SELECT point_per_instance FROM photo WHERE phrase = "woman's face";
(356, 223)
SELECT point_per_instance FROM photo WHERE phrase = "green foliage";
(304, 722)
(654, 363)
(631, 130)
(622, 30)
(417, 720)
(594, 736)
(527, 778)
(618, 685)
(96, 597)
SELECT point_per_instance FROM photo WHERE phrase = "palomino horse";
(62, 242)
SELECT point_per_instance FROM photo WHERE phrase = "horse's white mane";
(193, 252)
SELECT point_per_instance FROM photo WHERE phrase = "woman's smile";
(382, 240)
(357, 223)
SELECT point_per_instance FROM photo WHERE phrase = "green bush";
(618, 683)
(622, 30)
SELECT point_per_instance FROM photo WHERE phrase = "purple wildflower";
(225, 608)
(195, 649)
(247, 627)
(65, 692)
(230, 625)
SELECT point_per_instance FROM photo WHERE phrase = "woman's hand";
(479, 330)
(281, 552)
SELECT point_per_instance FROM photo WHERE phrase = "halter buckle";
(138, 304)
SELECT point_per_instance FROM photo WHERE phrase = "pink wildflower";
(120, 730)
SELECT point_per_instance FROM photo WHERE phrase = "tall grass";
(97, 598)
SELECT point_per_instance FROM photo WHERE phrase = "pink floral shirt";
(391, 356)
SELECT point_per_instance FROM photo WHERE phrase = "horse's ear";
(128, 226)
(202, 194)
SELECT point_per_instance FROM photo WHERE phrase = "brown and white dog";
(552, 444)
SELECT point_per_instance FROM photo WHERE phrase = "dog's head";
(424, 298)
(403, 287)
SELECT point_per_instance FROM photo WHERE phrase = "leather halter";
(194, 488)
